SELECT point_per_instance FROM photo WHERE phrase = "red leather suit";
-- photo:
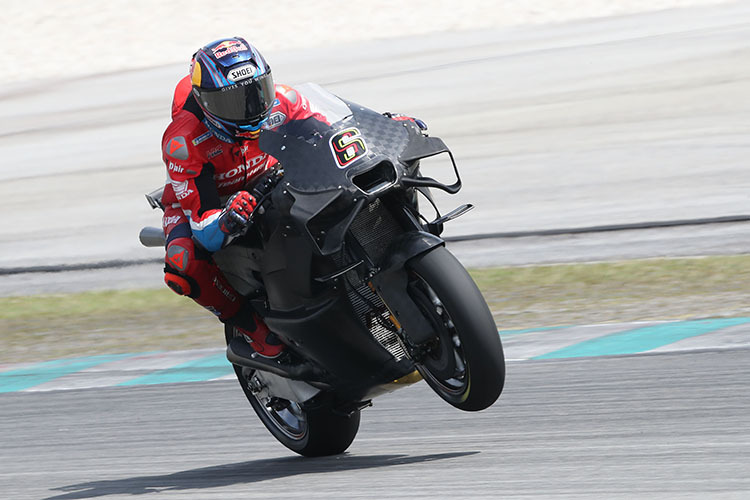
(204, 168)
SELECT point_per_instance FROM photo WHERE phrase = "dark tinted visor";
(242, 103)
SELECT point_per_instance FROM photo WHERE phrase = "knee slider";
(177, 283)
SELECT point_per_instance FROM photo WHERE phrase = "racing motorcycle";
(353, 279)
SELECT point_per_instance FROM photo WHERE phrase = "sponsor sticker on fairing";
(242, 72)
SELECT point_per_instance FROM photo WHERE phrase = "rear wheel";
(312, 430)
(465, 364)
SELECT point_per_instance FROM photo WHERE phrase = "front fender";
(407, 246)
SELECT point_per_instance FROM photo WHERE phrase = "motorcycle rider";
(212, 157)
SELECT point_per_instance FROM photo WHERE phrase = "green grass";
(52, 326)
(652, 289)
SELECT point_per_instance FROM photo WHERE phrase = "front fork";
(392, 284)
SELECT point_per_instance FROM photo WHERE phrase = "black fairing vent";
(375, 228)
(378, 177)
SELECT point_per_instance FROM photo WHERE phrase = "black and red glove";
(236, 213)
(399, 118)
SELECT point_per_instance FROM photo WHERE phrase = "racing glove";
(399, 117)
(236, 214)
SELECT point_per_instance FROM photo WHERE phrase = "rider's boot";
(256, 332)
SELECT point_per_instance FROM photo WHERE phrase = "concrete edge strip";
(211, 364)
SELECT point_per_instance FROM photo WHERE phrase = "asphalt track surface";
(653, 426)
(638, 118)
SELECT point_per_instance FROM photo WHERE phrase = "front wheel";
(310, 430)
(465, 364)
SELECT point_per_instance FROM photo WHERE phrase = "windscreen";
(325, 103)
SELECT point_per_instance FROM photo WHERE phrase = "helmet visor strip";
(244, 103)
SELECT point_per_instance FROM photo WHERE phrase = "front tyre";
(465, 364)
(310, 430)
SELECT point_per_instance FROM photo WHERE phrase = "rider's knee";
(180, 254)
(180, 267)
(178, 284)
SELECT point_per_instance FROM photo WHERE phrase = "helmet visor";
(242, 103)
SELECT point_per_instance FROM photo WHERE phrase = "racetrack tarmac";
(648, 426)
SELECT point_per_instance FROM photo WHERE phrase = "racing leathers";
(204, 169)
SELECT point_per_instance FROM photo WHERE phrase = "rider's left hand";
(399, 117)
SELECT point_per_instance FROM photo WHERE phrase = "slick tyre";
(312, 430)
(465, 365)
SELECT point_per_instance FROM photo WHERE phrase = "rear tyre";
(465, 365)
(312, 430)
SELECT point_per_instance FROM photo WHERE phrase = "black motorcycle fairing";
(327, 197)
(327, 216)
(330, 334)
(286, 268)
(298, 144)
(408, 246)
(307, 150)
(316, 318)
